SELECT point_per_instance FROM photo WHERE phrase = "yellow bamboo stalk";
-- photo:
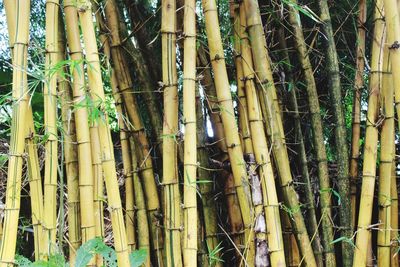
(190, 139)
(371, 140)
(393, 38)
(106, 145)
(228, 119)
(172, 213)
(143, 233)
(85, 140)
(127, 164)
(20, 107)
(50, 124)
(35, 180)
(125, 83)
(386, 162)
(394, 213)
(273, 120)
(358, 86)
(261, 152)
(35, 184)
(210, 240)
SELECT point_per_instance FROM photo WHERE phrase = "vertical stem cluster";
(273, 120)
(106, 145)
(228, 120)
(318, 136)
(371, 140)
(386, 162)
(17, 142)
(261, 149)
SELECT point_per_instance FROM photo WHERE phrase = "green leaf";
(22, 261)
(138, 257)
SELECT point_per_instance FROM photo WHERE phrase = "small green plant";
(83, 256)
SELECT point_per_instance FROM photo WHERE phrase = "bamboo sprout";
(50, 122)
(172, 213)
(318, 136)
(371, 140)
(358, 86)
(274, 125)
(20, 107)
(190, 144)
(106, 146)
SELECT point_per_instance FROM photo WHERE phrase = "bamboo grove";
(199, 133)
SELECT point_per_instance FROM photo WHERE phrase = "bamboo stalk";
(172, 212)
(318, 136)
(125, 83)
(371, 140)
(106, 146)
(312, 225)
(386, 162)
(393, 38)
(273, 120)
(35, 180)
(394, 212)
(206, 186)
(227, 115)
(87, 137)
(143, 234)
(71, 145)
(35, 185)
(342, 157)
(262, 157)
(190, 142)
(358, 86)
(50, 124)
(127, 165)
(20, 107)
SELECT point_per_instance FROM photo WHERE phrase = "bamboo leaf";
(138, 257)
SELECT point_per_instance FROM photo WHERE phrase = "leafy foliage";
(83, 256)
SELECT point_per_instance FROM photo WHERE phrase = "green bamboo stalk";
(342, 157)
(318, 136)
(312, 225)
